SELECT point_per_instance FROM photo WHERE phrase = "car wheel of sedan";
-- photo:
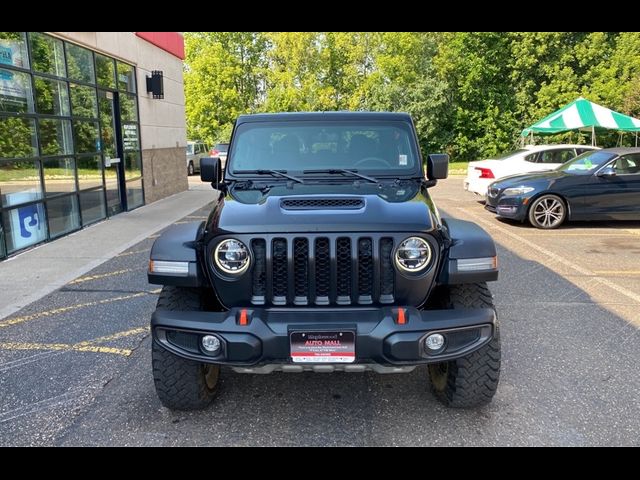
(547, 211)
(190, 169)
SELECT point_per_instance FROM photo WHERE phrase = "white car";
(530, 158)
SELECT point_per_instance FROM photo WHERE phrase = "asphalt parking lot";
(75, 365)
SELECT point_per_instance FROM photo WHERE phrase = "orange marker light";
(243, 317)
(401, 318)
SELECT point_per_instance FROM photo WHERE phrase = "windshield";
(374, 146)
(587, 162)
(504, 156)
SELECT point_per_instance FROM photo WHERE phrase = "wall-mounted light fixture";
(155, 84)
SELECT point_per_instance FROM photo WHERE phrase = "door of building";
(112, 154)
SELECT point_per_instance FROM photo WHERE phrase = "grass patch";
(458, 168)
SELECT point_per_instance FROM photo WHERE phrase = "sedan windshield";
(313, 147)
(515, 153)
(587, 162)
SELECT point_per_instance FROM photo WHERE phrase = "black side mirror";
(211, 171)
(437, 166)
(607, 172)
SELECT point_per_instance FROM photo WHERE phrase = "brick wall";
(165, 172)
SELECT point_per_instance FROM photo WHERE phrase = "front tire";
(182, 384)
(547, 212)
(470, 381)
(190, 169)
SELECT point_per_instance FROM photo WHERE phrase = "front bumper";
(379, 340)
(508, 207)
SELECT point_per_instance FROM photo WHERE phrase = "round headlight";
(231, 256)
(413, 254)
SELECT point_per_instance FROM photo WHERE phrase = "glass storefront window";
(83, 101)
(130, 136)
(105, 71)
(126, 78)
(80, 63)
(133, 165)
(63, 215)
(134, 193)
(13, 49)
(92, 204)
(55, 137)
(52, 97)
(86, 136)
(59, 176)
(24, 226)
(17, 138)
(19, 182)
(89, 172)
(15, 92)
(107, 132)
(128, 108)
(3, 251)
(47, 54)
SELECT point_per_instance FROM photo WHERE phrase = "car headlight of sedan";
(517, 190)
(413, 254)
(232, 257)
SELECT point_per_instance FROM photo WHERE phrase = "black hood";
(393, 207)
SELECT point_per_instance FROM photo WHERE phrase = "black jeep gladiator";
(324, 252)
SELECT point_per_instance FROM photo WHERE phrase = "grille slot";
(387, 278)
(322, 203)
(323, 271)
(280, 275)
(365, 271)
(301, 270)
(343, 269)
(259, 279)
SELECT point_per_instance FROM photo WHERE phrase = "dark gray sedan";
(597, 185)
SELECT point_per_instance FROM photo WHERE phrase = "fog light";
(434, 342)
(210, 343)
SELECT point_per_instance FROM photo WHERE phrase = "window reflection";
(92, 204)
(80, 62)
(105, 71)
(19, 182)
(55, 137)
(13, 49)
(17, 138)
(83, 101)
(128, 108)
(59, 176)
(89, 172)
(107, 132)
(126, 78)
(133, 165)
(134, 193)
(86, 136)
(63, 215)
(52, 96)
(47, 54)
(15, 91)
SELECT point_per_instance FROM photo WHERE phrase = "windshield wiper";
(275, 173)
(344, 171)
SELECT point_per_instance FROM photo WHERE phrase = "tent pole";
(593, 135)
(636, 139)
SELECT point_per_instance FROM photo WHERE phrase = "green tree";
(224, 77)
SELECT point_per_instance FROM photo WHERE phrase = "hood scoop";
(319, 203)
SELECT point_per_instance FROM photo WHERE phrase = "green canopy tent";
(583, 115)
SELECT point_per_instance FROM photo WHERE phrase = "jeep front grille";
(322, 271)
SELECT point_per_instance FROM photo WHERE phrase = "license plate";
(323, 347)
